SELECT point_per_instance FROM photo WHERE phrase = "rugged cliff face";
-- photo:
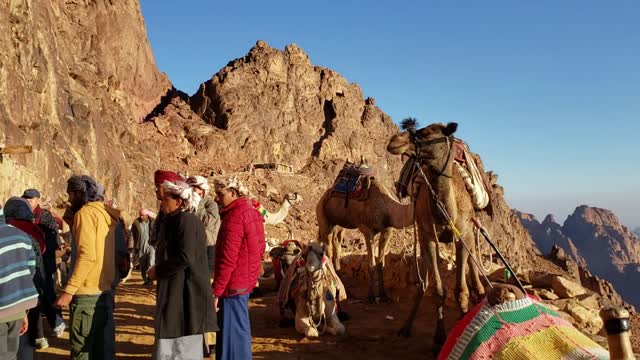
(74, 77)
(595, 239)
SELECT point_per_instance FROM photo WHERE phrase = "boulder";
(590, 319)
(590, 301)
(541, 280)
(566, 288)
(545, 294)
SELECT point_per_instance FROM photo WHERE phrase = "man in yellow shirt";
(89, 292)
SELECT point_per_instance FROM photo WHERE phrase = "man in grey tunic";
(140, 231)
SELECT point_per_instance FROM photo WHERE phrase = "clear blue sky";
(547, 92)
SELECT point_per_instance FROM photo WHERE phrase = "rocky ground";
(371, 333)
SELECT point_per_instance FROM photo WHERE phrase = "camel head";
(313, 254)
(405, 143)
(293, 198)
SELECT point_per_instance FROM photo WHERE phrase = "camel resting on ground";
(312, 294)
(380, 213)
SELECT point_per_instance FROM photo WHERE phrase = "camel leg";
(384, 241)
(334, 326)
(462, 290)
(407, 329)
(475, 275)
(337, 247)
(433, 253)
(325, 236)
(368, 237)
(303, 320)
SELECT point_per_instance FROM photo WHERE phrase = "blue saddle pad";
(347, 184)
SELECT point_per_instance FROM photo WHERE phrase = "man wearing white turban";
(209, 213)
(184, 303)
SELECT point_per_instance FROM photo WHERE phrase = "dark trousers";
(26, 349)
(35, 330)
(9, 339)
(211, 257)
(53, 314)
(92, 332)
(233, 341)
(145, 264)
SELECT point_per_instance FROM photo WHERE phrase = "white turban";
(231, 182)
(199, 182)
(182, 190)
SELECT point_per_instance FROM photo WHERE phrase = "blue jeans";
(233, 341)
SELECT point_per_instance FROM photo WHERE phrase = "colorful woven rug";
(521, 329)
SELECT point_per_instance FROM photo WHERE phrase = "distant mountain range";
(594, 238)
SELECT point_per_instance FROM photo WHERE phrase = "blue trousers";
(233, 341)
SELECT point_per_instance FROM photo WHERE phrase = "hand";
(215, 303)
(25, 325)
(63, 300)
(151, 273)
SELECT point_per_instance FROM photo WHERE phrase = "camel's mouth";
(400, 149)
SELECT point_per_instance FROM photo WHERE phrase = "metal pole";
(504, 261)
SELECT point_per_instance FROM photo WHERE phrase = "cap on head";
(18, 208)
(31, 194)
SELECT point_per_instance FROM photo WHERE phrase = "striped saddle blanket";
(520, 329)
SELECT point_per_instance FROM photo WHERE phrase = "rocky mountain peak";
(549, 220)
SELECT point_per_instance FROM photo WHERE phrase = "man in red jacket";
(239, 250)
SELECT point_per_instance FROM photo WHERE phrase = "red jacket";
(32, 230)
(239, 249)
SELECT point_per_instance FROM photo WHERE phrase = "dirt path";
(370, 334)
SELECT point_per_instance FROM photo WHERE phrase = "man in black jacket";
(44, 219)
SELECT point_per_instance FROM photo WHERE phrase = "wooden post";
(616, 324)
(10, 150)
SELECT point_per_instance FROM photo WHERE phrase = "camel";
(380, 213)
(312, 293)
(277, 217)
(433, 150)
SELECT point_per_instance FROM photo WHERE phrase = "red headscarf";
(32, 230)
(161, 176)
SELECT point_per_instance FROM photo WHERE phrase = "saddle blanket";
(520, 329)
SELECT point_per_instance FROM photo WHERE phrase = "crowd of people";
(202, 251)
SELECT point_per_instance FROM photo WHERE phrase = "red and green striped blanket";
(521, 329)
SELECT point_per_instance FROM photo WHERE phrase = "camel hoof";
(343, 316)
(435, 351)
(312, 333)
(341, 330)
(406, 332)
(372, 299)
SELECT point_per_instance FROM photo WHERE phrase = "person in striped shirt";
(17, 292)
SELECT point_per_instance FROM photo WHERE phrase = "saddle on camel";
(353, 182)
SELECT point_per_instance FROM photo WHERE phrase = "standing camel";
(432, 147)
(378, 214)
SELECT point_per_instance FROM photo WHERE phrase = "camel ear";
(450, 129)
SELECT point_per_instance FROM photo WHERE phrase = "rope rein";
(313, 293)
